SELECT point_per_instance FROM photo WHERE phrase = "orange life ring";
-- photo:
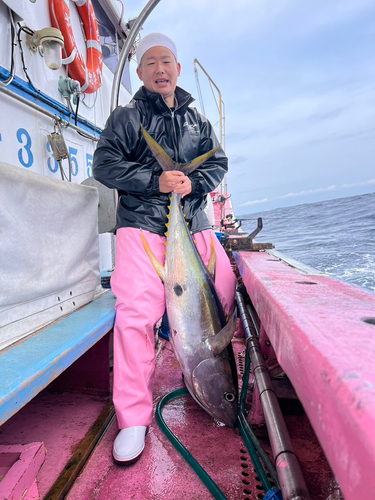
(90, 75)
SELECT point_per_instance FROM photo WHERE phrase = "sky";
(297, 79)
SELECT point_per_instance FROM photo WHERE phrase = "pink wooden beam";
(21, 464)
(323, 334)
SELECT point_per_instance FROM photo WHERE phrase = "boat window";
(112, 44)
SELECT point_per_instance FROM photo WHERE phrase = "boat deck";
(61, 421)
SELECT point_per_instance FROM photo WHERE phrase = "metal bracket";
(258, 229)
(237, 242)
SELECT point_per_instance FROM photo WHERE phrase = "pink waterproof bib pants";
(140, 304)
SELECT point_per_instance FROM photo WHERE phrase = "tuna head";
(214, 389)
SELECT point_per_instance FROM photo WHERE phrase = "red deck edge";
(315, 324)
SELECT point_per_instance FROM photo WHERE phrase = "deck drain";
(241, 359)
(306, 283)
(370, 321)
(248, 475)
(259, 487)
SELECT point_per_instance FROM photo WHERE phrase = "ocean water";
(335, 236)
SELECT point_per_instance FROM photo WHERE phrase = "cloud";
(328, 115)
(255, 202)
(297, 82)
(359, 184)
(308, 192)
(238, 159)
(243, 177)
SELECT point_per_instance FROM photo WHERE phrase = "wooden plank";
(30, 366)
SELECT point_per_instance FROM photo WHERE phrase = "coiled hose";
(246, 433)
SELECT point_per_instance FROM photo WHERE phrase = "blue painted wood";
(30, 366)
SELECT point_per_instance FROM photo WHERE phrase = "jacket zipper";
(175, 142)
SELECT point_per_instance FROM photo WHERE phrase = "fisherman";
(123, 161)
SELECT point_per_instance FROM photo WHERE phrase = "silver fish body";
(199, 333)
(195, 317)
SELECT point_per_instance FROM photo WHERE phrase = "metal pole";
(220, 98)
(291, 480)
(223, 185)
(225, 177)
(38, 108)
(223, 124)
(126, 51)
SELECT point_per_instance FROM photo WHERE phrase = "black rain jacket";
(123, 160)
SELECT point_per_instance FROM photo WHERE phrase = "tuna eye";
(229, 396)
(178, 290)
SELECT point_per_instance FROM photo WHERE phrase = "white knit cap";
(154, 40)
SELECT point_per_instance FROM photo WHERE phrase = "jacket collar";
(184, 99)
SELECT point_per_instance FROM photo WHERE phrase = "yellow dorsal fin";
(212, 262)
(154, 261)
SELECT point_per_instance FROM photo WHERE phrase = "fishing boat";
(302, 347)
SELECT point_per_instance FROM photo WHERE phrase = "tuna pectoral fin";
(164, 160)
(212, 263)
(154, 261)
(188, 168)
(219, 342)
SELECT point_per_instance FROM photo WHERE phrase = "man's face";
(159, 72)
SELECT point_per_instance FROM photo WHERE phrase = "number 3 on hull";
(90, 75)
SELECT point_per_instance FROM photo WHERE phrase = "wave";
(334, 236)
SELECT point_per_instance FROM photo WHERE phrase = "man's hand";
(176, 181)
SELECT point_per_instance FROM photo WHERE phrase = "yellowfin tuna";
(200, 335)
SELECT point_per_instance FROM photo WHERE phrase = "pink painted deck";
(19, 466)
(162, 474)
(62, 420)
(316, 326)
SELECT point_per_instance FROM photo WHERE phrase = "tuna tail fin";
(219, 342)
(188, 168)
(212, 262)
(163, 158)
(154, 261)
(166, 162)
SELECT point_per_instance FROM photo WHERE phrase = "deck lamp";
(50, 42)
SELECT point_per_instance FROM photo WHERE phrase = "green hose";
(202, 474)
(252, 444)
(244, 428)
